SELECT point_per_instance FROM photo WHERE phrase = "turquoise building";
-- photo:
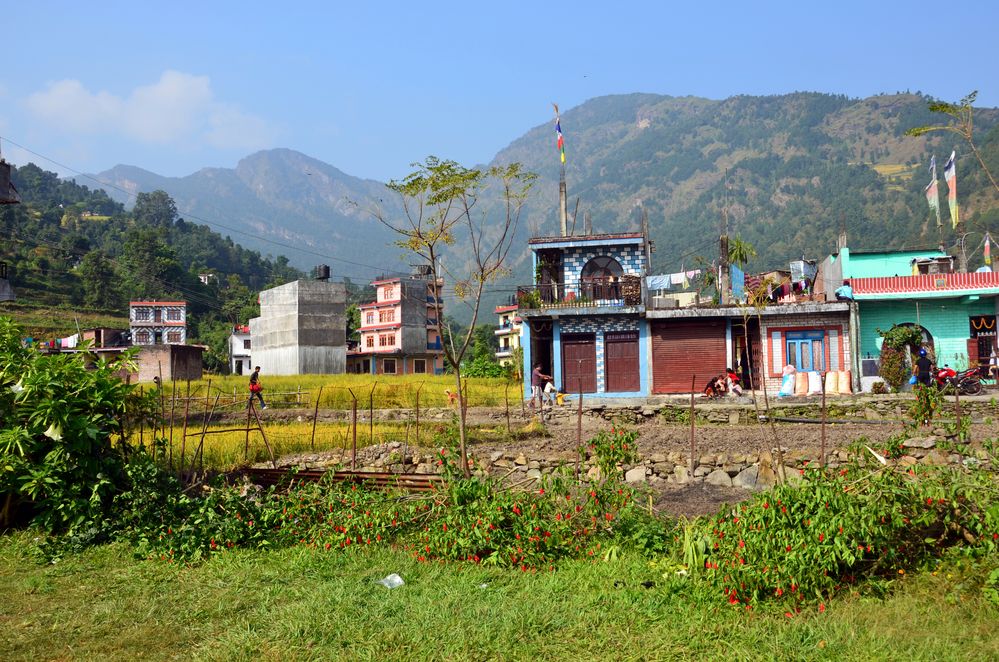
(956, 312)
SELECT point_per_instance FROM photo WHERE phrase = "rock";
(423, 469)
(648, 413)
(706, 459)
(657, 458)
(907, 460)
(719, 478)
(495, 455)
(534, 473)
(765, 476)
(520, 460)
(746, 478)
(733, 470)
(871, 414)
(733, 418)
(533, 464)
(662, 468)
(935, 459)
(593, 473)
(738, 458)
(636, 475)
(793, 476)
(920, 442)
(955, 458)
(681, 475)
(502, 464)
(722, 459)
(701, 471)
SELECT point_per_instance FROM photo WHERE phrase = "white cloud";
(178, 108)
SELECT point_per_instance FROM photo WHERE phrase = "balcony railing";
(622, 293)
(434, 345)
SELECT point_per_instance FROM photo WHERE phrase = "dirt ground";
(657, 436)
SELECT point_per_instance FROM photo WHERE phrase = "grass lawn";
(304, 604)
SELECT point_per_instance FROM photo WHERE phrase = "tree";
(962, 123)
(100, 289)
(156, 209)
(740, 252)
(353, 322)
(440, 201)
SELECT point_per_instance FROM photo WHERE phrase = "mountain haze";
(788, 171)
(315, 212)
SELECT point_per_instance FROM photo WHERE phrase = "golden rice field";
(334, 391)
(227, 445)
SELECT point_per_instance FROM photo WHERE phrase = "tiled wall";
(632, 259)
(600, 326)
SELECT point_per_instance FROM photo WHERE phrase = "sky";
(371, 87)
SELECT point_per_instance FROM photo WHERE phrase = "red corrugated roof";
(925, 283)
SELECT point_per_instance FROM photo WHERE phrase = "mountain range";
(788, 173)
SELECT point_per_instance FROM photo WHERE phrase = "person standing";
(922, 368)
(538, 380)
(256, 388)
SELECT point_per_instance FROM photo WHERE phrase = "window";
(386, 340)
(385, 316)
(420, 366)
(158, 315)
(600, 278)
(369, 318)
(506, 343)
(806, 350)
(246, 344)
(388, 293)
(173, 337)
(142, 337)
(173, 314)
(388, 366)
(143, 314)
(369, 341)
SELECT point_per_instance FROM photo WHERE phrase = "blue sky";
(372, 87)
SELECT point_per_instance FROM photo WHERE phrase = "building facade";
(240, 362)
(302, 329)
(158, 322)
(583, 318)
(507, 333)
(399, 332)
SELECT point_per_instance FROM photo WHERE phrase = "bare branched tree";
(441, 203)
(962, 123)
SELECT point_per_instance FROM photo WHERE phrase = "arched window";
(600, 278)
(601, 270)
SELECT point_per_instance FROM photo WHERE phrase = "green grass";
(304, 604)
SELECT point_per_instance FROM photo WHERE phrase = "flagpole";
(563, 200)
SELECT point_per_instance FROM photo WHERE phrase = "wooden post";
(260, 427)
(422, 384)
(298, 396)
(371, 415)
(173, 409)
(353, 427)
(693, 423)
(957, 402)
(142, 425)
(246, 442)
(822, 451)
(183, 439)
(315, 417)
(199, 452)
(579, 426)
(506, 398)
(162, 420)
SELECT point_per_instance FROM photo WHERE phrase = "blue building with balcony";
(584, 316)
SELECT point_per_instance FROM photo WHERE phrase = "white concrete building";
(239, 351)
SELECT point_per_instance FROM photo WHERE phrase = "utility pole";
(724, 280)
(563, 203)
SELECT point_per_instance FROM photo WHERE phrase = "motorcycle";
(965, 382)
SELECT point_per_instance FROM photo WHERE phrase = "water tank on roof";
(8, 194)
(322, 272)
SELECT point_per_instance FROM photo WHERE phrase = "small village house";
(507, 333)
(240, 361)
(158, 322)
(399, 330)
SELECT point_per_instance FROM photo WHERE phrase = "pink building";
(399, 334)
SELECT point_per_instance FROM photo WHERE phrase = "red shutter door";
(621, 360)
(682, 349)
(579, 363)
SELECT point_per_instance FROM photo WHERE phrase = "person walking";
(922, 368)
(538, 380)
(255, 387)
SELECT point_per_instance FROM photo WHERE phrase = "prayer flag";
(988, 250)
(950, 174)
(560, 141)
(932, 192)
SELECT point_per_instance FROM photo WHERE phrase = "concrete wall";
(180, 362)
(301, 329)
(877, 265)
(945, 319)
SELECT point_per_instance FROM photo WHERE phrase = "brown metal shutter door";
(682, 349)
(621, 359)
(579, 360)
